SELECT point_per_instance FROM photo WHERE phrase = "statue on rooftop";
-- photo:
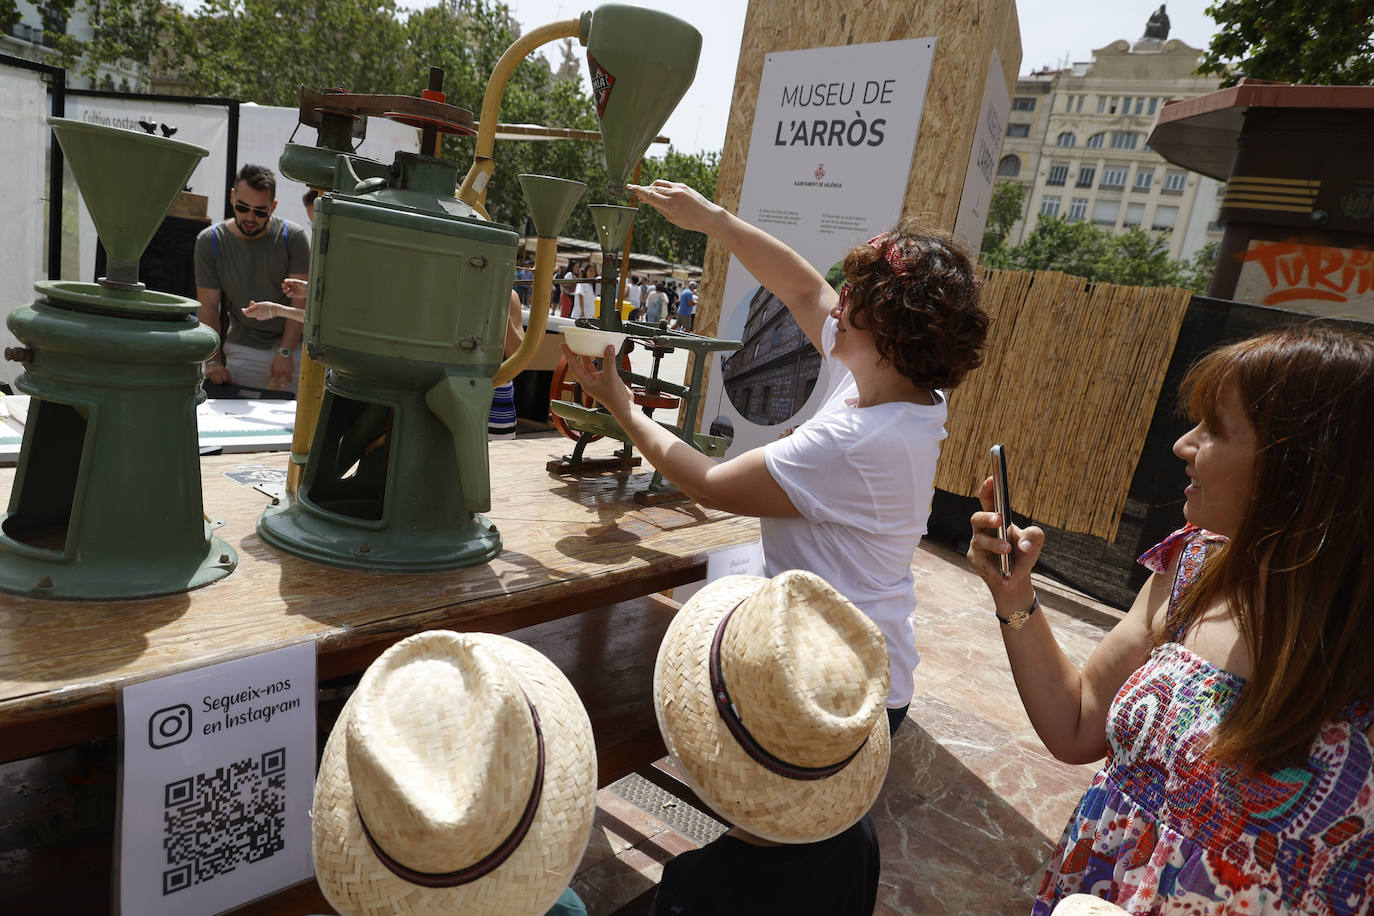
(1157, 26)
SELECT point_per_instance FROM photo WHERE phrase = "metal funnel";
(641, 62)
(550, 201)
(129, 181)
(612, 225)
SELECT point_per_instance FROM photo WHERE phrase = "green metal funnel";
(612, 224)
(641, 63)
(550, 202)
(129, 181)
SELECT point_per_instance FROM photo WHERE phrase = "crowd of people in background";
(651, 300)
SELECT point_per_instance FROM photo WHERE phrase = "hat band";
(492, 861)
(730, 715)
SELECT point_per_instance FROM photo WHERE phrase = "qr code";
(216, 821)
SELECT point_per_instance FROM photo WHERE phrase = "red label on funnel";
(601, 85)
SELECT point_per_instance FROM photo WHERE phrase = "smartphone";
(1001, 499)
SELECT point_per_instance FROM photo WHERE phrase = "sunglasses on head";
(259, 212)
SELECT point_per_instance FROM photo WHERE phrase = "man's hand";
(283, 371)
(217, 372)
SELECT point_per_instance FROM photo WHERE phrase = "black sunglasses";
(259, 212)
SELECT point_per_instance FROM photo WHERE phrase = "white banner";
(983, 156)
(834, 134)
(203, 125)
(24, 141)
(263, 132)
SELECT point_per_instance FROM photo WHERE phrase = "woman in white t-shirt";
(847, 494)
(584, 296)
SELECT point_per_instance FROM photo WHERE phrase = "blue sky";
(1052, 32)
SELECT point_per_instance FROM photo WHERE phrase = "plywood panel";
(966, 31)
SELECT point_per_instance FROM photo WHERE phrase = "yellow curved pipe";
(473, 190)
(309, 396)
(545, 254)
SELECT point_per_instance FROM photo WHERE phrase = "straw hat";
(805, 674)
(460, 778)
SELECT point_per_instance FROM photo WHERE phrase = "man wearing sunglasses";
(243, 259)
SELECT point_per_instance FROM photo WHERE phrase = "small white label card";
(740, 560)
(216, 782)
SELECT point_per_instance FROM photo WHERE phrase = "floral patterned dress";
(1165, 829)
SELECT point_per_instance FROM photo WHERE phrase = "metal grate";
(687, 820)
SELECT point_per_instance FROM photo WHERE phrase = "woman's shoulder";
(1160, 557)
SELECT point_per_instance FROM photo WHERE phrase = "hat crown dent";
(441, 752)
(806, 670)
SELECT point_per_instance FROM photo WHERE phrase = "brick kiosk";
(1299, 202)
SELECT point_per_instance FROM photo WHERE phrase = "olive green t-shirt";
(251, 270)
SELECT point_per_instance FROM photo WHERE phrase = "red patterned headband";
(893, 254)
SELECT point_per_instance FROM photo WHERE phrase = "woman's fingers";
(985, 495)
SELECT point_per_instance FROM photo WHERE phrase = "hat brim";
(354, 881)
(735, 786)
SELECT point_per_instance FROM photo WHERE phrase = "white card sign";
(216, 783)
(740, 560)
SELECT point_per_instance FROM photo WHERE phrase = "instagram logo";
(169, 726)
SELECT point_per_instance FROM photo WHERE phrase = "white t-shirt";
(632, 294)
(584, 302)
(862, 479)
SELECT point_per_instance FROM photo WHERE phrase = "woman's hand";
(265, 311)
(679, 204)
(262, 311)
(604, 384)
(985, 547)
(293, 288)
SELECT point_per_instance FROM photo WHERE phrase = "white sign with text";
(740, 560)
(834, 134)
(216, 784)
(983, 156)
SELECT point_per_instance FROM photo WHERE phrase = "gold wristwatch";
(1018, 619)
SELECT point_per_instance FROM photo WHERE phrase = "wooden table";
(570, 545)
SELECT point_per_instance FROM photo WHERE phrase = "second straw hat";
(460, 778)
(771, 694)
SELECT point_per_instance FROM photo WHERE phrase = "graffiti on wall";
(1317, 279)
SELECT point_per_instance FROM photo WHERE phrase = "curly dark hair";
(924, 313)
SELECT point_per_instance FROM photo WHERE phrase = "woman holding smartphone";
(845, 496)
(1235, 701)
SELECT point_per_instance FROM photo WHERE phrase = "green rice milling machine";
(410, 286)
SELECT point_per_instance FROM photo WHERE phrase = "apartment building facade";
(1076, 140)
(26, 39)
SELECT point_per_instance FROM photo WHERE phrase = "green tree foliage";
(654, 234)
(1319, 41)
(1133, 258)
(1007, 206)
(264, 51)
(121, 30)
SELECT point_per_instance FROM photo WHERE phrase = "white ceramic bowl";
(592, 341)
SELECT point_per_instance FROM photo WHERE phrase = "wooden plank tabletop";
(570, 544)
